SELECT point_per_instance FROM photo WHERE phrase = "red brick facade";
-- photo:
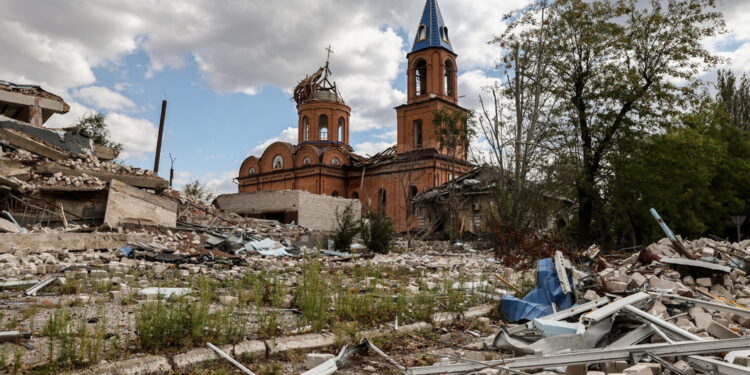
(323, 162)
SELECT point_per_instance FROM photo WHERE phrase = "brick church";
(323, 162)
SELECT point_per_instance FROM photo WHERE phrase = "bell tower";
(431, 82)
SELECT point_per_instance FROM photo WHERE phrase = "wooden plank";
(146, 182)
(19, 140)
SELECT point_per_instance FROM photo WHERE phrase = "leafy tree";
(346, 229)
(734, 97)
(696, 175)
(615, 65)
(198, 190)
(94, 126)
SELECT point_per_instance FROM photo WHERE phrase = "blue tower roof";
(432, 31)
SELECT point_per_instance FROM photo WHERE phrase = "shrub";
(377, 231)
(346, 229)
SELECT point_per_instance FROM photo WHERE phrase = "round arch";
(282, 149)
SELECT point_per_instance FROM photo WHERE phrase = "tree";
(377, 231)
(346, 229)
(453, 131)
(734, 97)
(696, 200)
(516, 121)
(198, 190)
(94, 126)
(615, 66)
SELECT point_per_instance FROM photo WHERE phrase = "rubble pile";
(677, 307)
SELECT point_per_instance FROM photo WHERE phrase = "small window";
(355, 195)
(444, 34)
(306, 126)
(341, 130)
(382, 200)
(278, 162)
(306, 161)
(418, 133)
(420, 77)
(421, 33)
(412, 194)
(323, 126)
(336, 161)
(335, 193)
(251, 171)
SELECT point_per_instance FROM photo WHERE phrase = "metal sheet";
(696, 263)
(713, 365)
(606, 311)
(685, 348)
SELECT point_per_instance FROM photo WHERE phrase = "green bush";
(346, 229)
(377, 231)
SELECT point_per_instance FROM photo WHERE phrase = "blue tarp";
(538, 303)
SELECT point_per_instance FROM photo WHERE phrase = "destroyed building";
(323, 162)
(476, 192)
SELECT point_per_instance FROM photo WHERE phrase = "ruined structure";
(29, 103)
(323, 162)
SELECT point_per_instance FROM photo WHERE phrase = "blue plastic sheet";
(538, 303)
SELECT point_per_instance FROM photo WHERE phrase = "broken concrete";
(128, 203)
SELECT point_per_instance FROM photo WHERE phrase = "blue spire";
(432, 31)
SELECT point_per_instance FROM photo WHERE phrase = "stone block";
(301, 342)
(576, 370)
(255, 348)
(704, 282)
(721, 332)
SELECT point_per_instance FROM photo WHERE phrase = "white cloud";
(103, 98)
(287, 135)
(138, 135)
(471, 85)
(371, 148)
(223, 183)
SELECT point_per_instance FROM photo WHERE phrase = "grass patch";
(73, 343)
(184, 323)
(312, 295)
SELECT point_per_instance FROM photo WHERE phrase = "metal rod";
(161, 133)
(228, 358)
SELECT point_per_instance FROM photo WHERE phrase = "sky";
(227, 67)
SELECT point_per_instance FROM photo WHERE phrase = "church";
(323, 162)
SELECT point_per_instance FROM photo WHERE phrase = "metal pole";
(161, 133)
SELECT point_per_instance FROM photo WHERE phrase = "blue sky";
(227, 68)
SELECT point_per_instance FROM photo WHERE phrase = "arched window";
(382, 204)
(412, 194)
(444, 34)
(251, 171)
(306, 160)
(418, 133)
(341, 130)
(335, 161)
(323, 126)
(306, 126)
(421, 33)
(335, 193)
(420, 74)
(355, 195)
(450, 74)
(278, 162)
